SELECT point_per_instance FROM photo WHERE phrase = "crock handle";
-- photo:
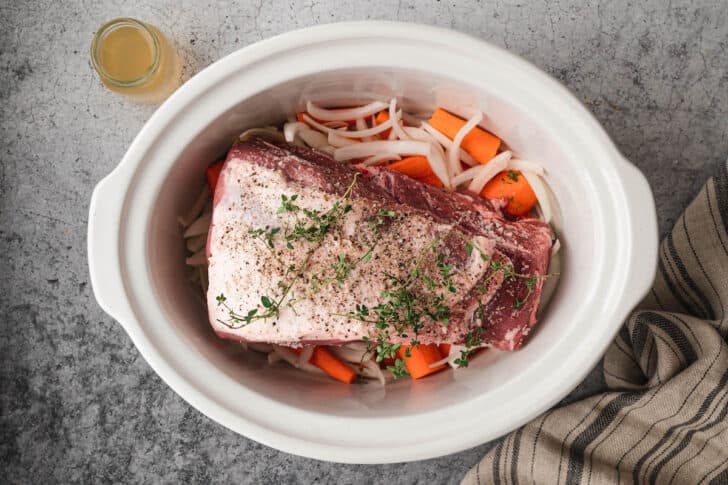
(104, 259)
(641, 205)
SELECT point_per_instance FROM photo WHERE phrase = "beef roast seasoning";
(392, 225)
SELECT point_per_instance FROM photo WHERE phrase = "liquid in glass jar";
(135, 59)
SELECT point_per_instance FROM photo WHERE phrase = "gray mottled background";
(78, 402)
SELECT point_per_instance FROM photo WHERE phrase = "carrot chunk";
(480, 144)
(444, 349)
(416, 167)
(213, 174)
(327, 362)
(420, 358)
(382, 117)
(514, 187)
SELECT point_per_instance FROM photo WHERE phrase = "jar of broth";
(135, 59)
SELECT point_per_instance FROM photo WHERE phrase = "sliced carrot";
(480, 144)
(213, 174)
(382, 117)
(511, 185)
(432, 180)
(416, 166)
(327, 362)
(444, 349)
(420, 358)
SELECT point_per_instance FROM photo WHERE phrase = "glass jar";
(135, 59)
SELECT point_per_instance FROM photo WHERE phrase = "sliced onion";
(356, 346)
(195, 243)
(422, 135)
(437, 156)
(287, 355)
(269, 133)
(542, 194)
(313, 138)
(197, 259)
(375, 130)
(439, 363)
(200, 226)
(361, 125)
(371, 370)
(525, 165)
(336, 124)
(355, 356)
(305, 354)
(496, 165)
(328, 149)
(196, 208)
(455, 353)
(447, 143)
(292, 358)
(379, 159)
(291, 129)
(453, 152)
(340, 141)
(324, 114)
(549, 286)
(418, 134)
(396, 128)
(555, 247)
(439, 167)
(467, 175)
(380, 147)
(260, 347)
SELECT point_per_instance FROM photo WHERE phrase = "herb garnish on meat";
(407, 303)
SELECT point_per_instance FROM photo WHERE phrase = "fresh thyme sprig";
(405, 306)
(398, 370)
(403, 310)
(473, 340)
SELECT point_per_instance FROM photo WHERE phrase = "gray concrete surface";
(78, 403)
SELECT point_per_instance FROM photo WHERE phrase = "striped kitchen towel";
(662, 416)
